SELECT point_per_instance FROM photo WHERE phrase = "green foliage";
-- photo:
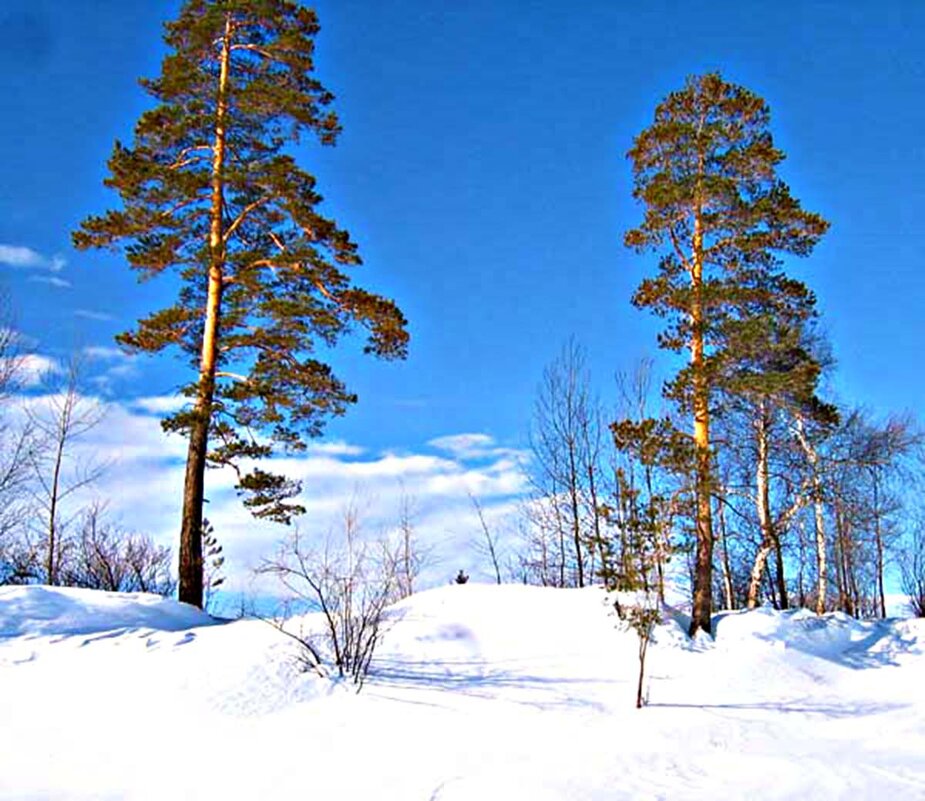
(213, 559)
(629, 563)
(705, 171)
(284, 267)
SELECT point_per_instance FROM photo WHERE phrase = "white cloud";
(159, 404)
(477, 446)
(334, 448)
(51, 280)
(27, 258)
(143, 489)
(104, 353)
(15, 256)
(89, 314)
(464, 445)
(33, 368)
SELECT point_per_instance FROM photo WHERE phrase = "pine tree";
(209, 190)
(705, 171)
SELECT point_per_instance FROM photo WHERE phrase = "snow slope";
(480, 692)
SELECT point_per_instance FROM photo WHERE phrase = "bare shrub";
(350, 581)
(104, 556)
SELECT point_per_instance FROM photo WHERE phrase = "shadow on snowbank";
(802, 706)
(478, 679)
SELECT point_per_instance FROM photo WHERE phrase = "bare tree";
(565, 439)
(866, 486)
(881, 455)
(16, 444)
(58, 421)
(912, 568)
(412, 558)
(351, 583)
(537, 559)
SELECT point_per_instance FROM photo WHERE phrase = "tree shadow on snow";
(476, 679)
(803, 706)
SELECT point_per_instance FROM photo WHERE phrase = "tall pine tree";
(209, 190)
(705, 172)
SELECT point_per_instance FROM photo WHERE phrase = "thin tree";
(490, 545)
(565, 439)
(209, 189)
(59, 420)
(809, 437)
(16, 436)
(632, 573)
(705, 172)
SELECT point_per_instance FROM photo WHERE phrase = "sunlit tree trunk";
(190, 561)
(703, 569)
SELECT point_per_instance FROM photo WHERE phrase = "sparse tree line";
(762, 488)
(47, 534)
(745, 477)
(809, 511)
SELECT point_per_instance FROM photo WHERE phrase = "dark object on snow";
(461, 577)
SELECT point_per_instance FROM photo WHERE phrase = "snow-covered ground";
(479, 692)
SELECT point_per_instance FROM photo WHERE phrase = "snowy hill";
(478, 692)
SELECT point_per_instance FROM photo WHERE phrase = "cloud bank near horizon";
(142, 489)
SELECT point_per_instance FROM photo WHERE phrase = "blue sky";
(482, 172)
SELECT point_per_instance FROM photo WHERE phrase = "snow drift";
(477, 692)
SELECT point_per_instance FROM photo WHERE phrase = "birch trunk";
(812, 456)
(763, 508)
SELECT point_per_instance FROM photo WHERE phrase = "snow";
(478, 692)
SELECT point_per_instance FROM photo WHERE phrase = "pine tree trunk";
(703, 570)
(190, 561)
